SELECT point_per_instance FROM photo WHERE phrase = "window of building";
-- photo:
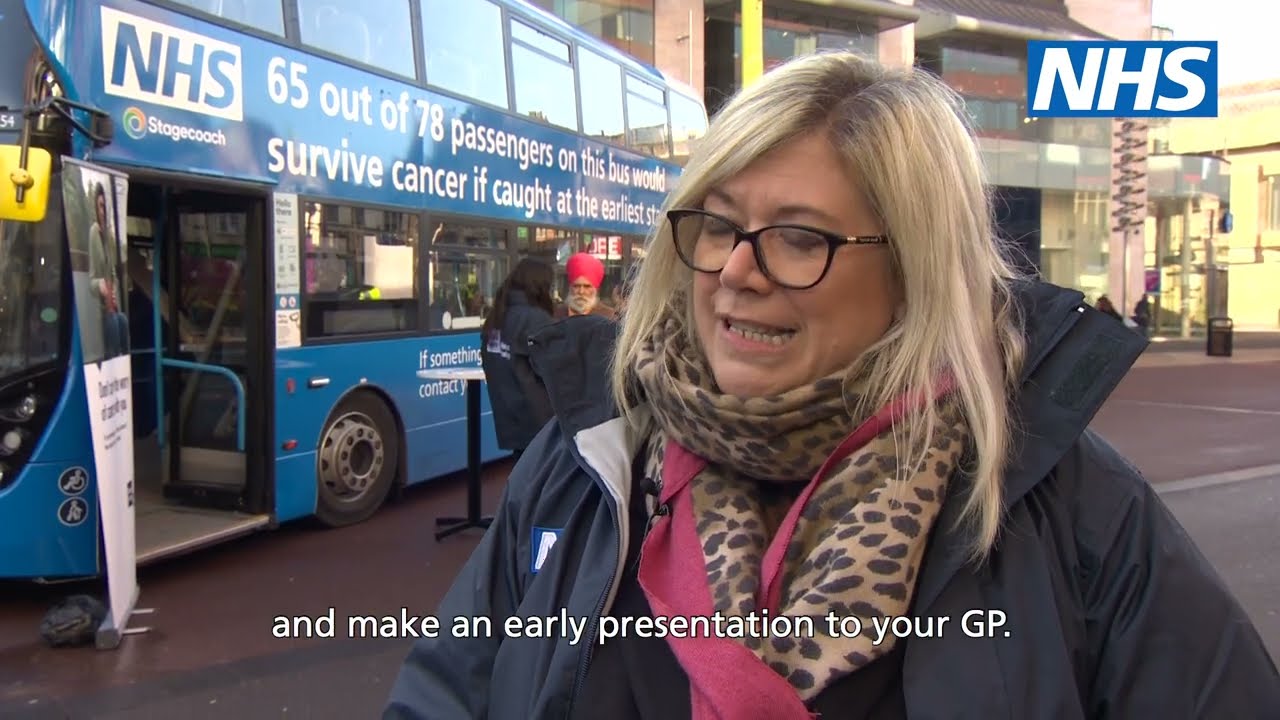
(624, 24)
(265, 16)
(543, 75)
(782, 40)
(1269, 207)
(374, 32)
(961, 60)
(646, 118)
(688, 125)
(998, 118)
(464, 49)
(602, 110)
(467, 264)
(359, 270)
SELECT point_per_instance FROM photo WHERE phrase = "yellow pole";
(752, 40)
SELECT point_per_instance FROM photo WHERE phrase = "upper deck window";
(646, 118)
(259, 14)
(601, 112)
(543, 76)
(377, 33)
(463, 48)
(688, 125)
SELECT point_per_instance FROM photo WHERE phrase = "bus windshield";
(30, 292)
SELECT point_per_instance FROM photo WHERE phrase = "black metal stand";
(450, 525)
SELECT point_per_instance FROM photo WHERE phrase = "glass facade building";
(1054, 179)
(625, 24)
(1053, 175)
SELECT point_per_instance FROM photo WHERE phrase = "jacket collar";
(1076, 355)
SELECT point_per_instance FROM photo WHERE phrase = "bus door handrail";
(224, 372)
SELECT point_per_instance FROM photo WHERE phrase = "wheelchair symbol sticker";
(73, 511)
(73, 481)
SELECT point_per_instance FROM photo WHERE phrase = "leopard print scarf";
(857, 543)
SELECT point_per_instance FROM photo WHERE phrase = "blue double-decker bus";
(312, 201)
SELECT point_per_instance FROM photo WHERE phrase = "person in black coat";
(522, 306)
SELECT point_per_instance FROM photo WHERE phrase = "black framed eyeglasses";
(792, 256)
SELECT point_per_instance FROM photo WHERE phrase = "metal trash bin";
(1218, 340)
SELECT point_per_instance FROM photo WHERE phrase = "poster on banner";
(93, 200)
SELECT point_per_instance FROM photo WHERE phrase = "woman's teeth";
(762, 335)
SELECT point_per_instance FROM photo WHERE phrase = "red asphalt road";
(1181, 422)
(216, 607)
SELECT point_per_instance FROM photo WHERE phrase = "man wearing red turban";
(586, 273)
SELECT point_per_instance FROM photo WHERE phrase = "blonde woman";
(832, 400)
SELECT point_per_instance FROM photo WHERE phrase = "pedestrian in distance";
(522, 306)
(831, 397)
(1104, 305)
(585, 273)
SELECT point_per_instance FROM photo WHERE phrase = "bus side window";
(463, 47)
(602, 114)
(259, 14)
(543, 74)
(647, 118)
(688, 125)
(344, 29)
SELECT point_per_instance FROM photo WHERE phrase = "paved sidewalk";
(1180, 358)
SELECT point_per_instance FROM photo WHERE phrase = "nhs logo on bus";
(1122, 79)
(157, 63)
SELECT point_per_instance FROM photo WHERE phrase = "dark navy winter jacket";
(1111, 611)
(517, 396)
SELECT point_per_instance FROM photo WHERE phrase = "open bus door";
(196, 267)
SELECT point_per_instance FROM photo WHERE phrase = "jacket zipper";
(581, 677)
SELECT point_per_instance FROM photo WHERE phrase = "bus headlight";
(27, 407)
(4, 474)
(22, 411)
(13, 440)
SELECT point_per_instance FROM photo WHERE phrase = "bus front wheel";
(357, 463)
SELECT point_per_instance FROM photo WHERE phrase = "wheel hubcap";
(351, 457)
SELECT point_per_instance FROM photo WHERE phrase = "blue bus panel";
(191, 96)
(432, 412)
(49, 515)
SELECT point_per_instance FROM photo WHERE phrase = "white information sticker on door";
(288, 269)
(288, 329)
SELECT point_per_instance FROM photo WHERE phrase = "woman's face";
(101, 203)
(762, 339)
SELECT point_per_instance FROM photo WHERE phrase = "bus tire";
(357, 461)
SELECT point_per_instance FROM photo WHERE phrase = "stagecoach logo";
(135, 123)
(138, 125)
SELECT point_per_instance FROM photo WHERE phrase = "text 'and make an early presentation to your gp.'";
(976, 623)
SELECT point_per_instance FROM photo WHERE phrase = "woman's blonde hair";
(906, 135)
